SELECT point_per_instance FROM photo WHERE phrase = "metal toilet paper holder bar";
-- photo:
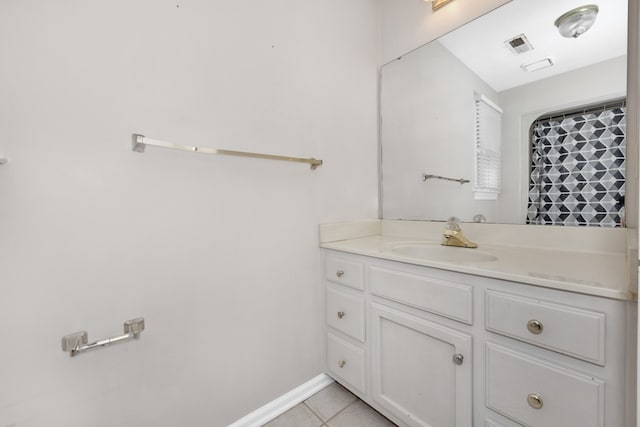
(76, 343)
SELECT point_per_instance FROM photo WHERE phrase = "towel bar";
(139, 142)
(426, 176)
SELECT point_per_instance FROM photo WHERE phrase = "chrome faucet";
(453, 235)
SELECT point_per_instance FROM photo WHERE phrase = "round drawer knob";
(535, 401)
(341, 363)
(458, 359)
(535, 327)
(340, 273)
(340, 314)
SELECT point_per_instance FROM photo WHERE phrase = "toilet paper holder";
(77, 342)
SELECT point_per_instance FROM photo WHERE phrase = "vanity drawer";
(344, 312)
(344, 272)
(537, 394)
(345, 361)
(448, 299)
(576, 332)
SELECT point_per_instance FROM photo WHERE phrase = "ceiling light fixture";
(437, 4)
(577, 21)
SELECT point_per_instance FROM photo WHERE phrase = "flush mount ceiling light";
(437, 4)
(577, 21)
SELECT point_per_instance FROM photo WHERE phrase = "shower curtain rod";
(139, 142)
(593, 108)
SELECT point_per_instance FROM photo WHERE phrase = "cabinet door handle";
(535, 327)
(341, 363)
(340, 314)
(340, 273)
(458, 359)
(535, 401)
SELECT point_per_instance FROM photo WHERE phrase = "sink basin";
(432, 252)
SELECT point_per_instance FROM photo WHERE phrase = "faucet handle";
(479, 218)
(453, 223)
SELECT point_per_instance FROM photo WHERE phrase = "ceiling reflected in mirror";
(483, 44)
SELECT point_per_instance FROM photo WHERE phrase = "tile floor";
(334, 406)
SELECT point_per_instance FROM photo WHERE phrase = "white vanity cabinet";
(434, 348)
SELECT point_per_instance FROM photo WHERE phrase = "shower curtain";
(577, 167)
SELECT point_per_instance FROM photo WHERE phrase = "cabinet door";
(421, 371)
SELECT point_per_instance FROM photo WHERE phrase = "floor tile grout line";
(314, 412)
(334, 415)
(341, 411)
(325, 423)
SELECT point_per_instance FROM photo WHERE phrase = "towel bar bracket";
(137, 143)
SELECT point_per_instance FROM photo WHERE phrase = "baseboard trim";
(283, 403)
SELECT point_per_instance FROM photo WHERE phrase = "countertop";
(592, 272)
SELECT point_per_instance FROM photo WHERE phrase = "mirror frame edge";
(633, 136)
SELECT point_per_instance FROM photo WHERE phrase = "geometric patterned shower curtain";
(577, 168)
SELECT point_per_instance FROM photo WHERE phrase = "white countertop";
(593, 272)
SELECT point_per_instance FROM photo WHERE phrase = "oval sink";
(440, 253)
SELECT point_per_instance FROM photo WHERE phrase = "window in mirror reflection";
(577, 169)
(488, 126)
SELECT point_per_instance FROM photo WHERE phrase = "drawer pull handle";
(458, 359)
(535, 401)
(340, 273)
(340, 314)
(535, 327)
(341, 363)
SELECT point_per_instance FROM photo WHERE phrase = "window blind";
(487, 148)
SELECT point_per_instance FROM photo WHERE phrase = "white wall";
(428, 116)
(218, 254)
(522, 105)
(408, 24)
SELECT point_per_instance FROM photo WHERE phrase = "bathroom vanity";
(515, 333)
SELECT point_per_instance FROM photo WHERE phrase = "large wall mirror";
(554, 104)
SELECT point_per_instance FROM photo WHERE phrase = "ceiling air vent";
(519, 44)
(538, 65)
